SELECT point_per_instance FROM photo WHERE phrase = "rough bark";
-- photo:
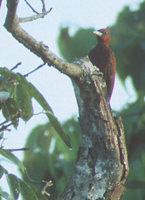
(101, 167)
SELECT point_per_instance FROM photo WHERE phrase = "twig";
(3, 139)
(48, 184)
(39, 113)
(34, 17)
(38, 15)
(3, 128)
(21, 149)
(6, 127)
(16, 66)
(6, 121)
(29, 5)
(34, 70)
(33, 181)
(43, 6)
(0, 3)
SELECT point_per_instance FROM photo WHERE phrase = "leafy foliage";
(48, 157)
(16, 95)
(128, 41)
(76, 46)
(18, 103)
(17, 186)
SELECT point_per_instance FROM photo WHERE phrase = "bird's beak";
(98, 33)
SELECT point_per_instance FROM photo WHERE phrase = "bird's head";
(103, 35)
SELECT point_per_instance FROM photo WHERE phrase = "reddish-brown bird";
(102, 57)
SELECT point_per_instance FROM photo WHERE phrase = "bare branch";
(32, 180)
(46, 186)
(0, 3)
(29, 5)
(11, 14)
(21, 149)
(38, 48)
(34, 69)
(16, 66)
(34, 17)
(43, 5)
(4, 128)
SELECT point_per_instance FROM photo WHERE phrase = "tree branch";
(0, 3)
(29, 5)
(43, 5)
(34, 17)
(38, 48)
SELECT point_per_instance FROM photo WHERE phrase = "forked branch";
(38, 48)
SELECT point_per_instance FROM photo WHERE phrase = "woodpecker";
(103, 57)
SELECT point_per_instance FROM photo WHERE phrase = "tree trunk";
(101, 167)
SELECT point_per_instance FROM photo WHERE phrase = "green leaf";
(2, 171)
(10, 111)
(83, 39)
(7, 85)
(128, 41)
(7, 154)
(13, 183)
(59, 129)
(23, 100)
(26, 191)
(5, 195)
(38, 193)
(41, 100)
